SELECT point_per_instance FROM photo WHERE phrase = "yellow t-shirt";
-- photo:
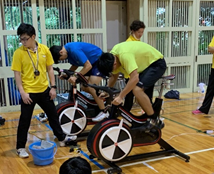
(131, 38)
(134, 56)
(212, 45)
(22, 63)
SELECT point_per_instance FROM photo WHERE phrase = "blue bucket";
(42, 157)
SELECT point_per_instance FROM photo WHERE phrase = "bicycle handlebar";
(81, 79)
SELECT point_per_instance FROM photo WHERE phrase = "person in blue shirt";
(86, 55)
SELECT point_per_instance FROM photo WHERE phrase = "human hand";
(103, 95)
(72, 79)
(117, 101)
(52, 93)
(63, 76)
(26, 98)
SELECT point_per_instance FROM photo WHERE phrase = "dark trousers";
(209, 94)
(43, 100)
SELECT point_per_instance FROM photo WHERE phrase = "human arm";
(87, 66)
(211, 49)
(52, 92)
(25, 96)
(112, 80)
(134, 79)
(73, 68)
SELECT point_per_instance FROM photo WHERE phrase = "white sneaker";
(22, 153)
(43, 117)
(67, 138)
(100, 116)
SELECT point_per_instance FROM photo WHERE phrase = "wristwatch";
(53, 86)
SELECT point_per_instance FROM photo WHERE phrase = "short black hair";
(26, 29)
(136, 25)
(75, 165)
(105, 63)
(55, 52)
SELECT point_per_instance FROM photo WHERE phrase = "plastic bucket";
(43, 157)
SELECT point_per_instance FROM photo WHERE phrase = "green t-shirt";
(134, 56)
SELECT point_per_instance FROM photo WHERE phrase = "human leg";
(143, 100)
(103, 113)
(94, 78)
(23, 127)
(49, 108)
(149, 92)
(147, 80)
(24, 123)
(208, 96)
(128, 103)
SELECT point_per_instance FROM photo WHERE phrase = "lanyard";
(37, 62)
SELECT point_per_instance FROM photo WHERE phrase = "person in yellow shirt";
(137, 28)
(143, 64)
(205, 108)
(31, 63)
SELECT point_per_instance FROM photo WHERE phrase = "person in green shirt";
(139, 62)
(137, 28)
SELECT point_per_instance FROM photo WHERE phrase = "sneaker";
(22, 153)
(100, 116)
(196, 112)
(160, 124)
(43, 117)
(67, 139)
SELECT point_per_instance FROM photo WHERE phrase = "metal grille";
(11, 44)
(204, 38)
(59, 39)
(158, 12)
(63, 85)
(14, 95)
(58, 14)
(182, 76)
(181, 43)
(56, 22)
(15, 12)
(206, 14)
(159, 40)
(95, 39)
(180, 14)
(90, 13)
(203, 73)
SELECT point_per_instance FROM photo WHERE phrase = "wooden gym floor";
(182, 130)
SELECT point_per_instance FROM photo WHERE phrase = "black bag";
(172, 94)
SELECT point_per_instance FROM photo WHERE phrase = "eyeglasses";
(24, 39)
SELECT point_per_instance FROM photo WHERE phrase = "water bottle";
(201, 87)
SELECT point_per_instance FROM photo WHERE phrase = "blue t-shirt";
(80, 52)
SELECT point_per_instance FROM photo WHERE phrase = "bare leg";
(95, 80)
(143, 100)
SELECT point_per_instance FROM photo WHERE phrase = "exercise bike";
(112, 139)
(77, 112)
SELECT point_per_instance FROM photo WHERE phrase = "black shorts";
(152, 74)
